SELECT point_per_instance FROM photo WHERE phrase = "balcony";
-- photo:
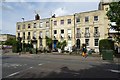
(97, 34)
(34, 37)
(62, 37)
(69, 37)
(40, 37)
(87, 35)
(78, 35)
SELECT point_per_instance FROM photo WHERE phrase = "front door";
(78, 43)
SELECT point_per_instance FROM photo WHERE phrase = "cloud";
(60, 12)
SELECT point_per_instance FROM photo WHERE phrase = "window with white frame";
(47, 24)
(34, 25)
(40, 34)
(28, 25)
(62, 21)
(55, 31)
(55, 23)
(47, 33)
(41, 24)
(87, 42)
(77, 20)
(69, 34)
(18, 27)
(23, 26)
(69, 21)
(62, 31)
(34, 34)
(95, 18)
(86, 19)
(96, 30)
(86, 30)
(96, 42)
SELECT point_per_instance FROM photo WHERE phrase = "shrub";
(106, 44)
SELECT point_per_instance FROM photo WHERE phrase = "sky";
(12, 11)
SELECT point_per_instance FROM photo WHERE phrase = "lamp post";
(51, 36)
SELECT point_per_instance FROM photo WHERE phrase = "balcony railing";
(40, 37)
(78, 35)
(69, 37)
(34, 37)
(87, 35)
(97, 34)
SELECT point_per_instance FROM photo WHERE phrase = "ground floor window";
(87, 42)
(96, 42)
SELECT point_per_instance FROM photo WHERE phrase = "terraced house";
(85, 27)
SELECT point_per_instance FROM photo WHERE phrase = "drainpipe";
(74, 29)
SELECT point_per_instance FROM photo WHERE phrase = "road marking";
(17, 72)
(39, 64)
(13, 74)
(31, 67)
(117, 71)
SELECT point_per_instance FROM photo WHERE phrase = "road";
(58, 66)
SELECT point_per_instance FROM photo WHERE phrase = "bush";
(106, 44)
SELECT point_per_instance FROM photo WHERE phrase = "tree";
(10, 41)
(49, 42)
(114, 16)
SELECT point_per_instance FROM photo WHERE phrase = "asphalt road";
(58, 66)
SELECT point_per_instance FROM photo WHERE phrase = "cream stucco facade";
(85, 27)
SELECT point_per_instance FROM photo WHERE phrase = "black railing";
(87, 35)
(97, 34)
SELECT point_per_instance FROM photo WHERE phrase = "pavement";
(57, 66)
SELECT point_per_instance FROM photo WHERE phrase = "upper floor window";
(87, 42)
(95, 18)
(55, 23)
(18, 27)
(87, 19)
(40, 34)
(95, 29)
(86, 30)
(78, 30)
(34, 34)
(62, 31)
(47, 33)
(34, 25)
(23, 35)
(55, 31)
(77, 20)
(47, 24)
(96, 42)
(28, 25)
(41, 24)
(69, 21)
(62, 21)
(18, 34)
(23, 26)
(28, 33)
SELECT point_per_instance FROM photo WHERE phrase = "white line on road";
(39, 64)
(117, 71)
(17, 72)
(12, 74)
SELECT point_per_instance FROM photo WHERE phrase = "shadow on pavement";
(102, 71)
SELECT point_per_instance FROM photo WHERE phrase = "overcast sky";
(13, 11)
